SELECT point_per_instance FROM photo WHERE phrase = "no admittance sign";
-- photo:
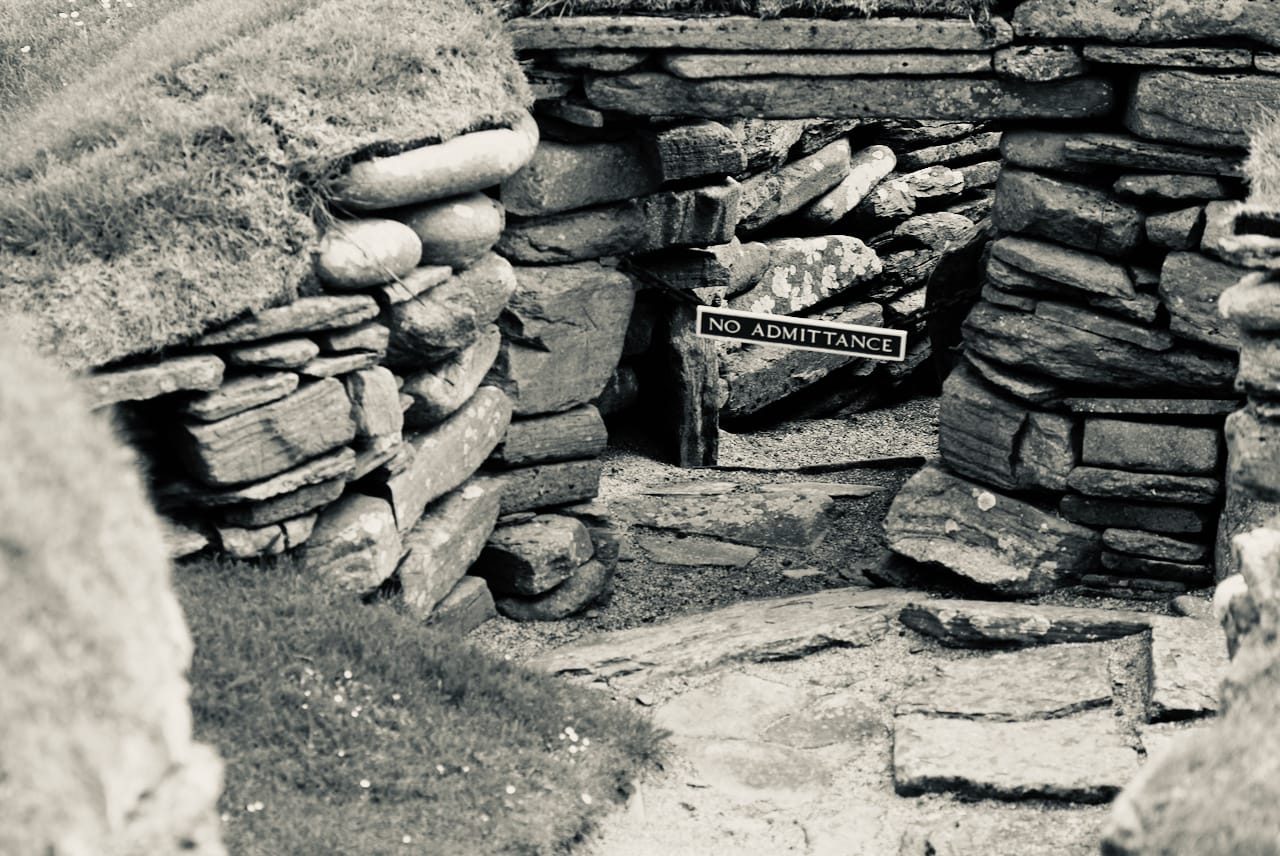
(877, 343)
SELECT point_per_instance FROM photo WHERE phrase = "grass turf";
(355, 729)
(978, 10)
(150, 192)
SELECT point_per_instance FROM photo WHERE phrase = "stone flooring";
(822, 724)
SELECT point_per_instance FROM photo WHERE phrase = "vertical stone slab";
(692, 367)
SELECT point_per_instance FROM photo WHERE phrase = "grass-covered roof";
(157, 172)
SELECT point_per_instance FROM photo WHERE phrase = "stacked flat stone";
(1082, 438)
(354, 424)
(839, 220)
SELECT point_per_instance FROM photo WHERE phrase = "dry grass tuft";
(1263, 166)
(169, 186)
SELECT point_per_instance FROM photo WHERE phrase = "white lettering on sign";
(877, 343)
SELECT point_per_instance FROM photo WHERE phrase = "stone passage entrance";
(1081, 434)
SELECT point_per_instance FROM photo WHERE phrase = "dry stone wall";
(435, 405)
(429, 393)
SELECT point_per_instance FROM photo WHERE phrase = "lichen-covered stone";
(1199, 108)
(305, 314)
(534, 557)
(450, 316)
(444, 544)
(355, 544)
(574, 434)
(375, 403)
(1146, 21)
(866, 169)
(771, 195)
(446, 386)
(804, 271)
(1069, 213)
(199, 373)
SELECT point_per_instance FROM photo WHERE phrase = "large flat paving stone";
(751, 631)
(1081, 758)
(1038, 683)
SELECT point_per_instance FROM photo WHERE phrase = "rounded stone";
(361, 253)
(457, 232)
(464, 164)
(1253, 303)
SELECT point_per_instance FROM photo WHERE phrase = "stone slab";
(1175, 187)
(547, 485)
(1081, 356)
(699, 66)
(1039, 63)
(1147, 21)
(648, 93)
(588, 582)
(448, 454)
(995, 540)
(741, 33)
(1067, 212)
(355, 545)
(1080, 271)
(535, 556)
(751, 631)
(1140, 543)
(1121, 150)
(1188, 662)
(577, 433)
(268, 440)
(199, 373)
(1083, 758)
(338, 464)
(444, 543)
(1038, 683)
(770, 195)
(467, 605)
(1169, 519)
(292, 504)
(1194, 407)
(990, 624)
(302, 315)
(1191, 56)
(762, 519)
(1195, 108)
(1151, 447)
(692, 550)
(1146, 487)
(564, 176)
(1125, 565)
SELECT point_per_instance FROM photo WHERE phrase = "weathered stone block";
(288, 353)
(1151, 447)
(1200, 109)
(1146, 21)
(703, 65)
(370, 337)
(467, 605)
(446, 386)
(355, 545)
(1253, 304)
(684, 218)
(1176, 230)
(1125, 565)
(1120, 150)
(338, 364)
(1083, 356)
(267, 440)
(1148, 487)
(989, 624)
(547, 485)
(695, 150)
(584, 587)
(447, 318)
(375, 403)
(978, 430)
(449, 454)
(733, 267)
(1171, 519)
(690, 371)
(995, 540)
(445, 542)
(201, 372)
(534, 557)
(278, 508)
(607, 230)
(564, 176)
(573, 434)
(758, 377)
(1038, 63)
(270, 540)
(798, 520)
(564, 329)
(1254, 463)
(1140, 543)
(302, 315)
(456, 232)
(1066, 212)
(866, 169)
(771, 195)
(1191, 56)
(1076, 270)
(970, 99)
(1176, 187)
(804, 271)
(1048, 451)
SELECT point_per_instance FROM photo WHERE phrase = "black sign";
(877, 343)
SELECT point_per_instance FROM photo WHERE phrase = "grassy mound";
(978, 10)
(354, 729)
(161, 171)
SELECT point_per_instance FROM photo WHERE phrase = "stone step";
(994, 624)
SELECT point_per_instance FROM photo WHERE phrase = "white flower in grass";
(347, 674)
(25, 49)
(511, 789)
(75, 14)
(586, 799)
(440, 769)
(407, 839)
(366, 784)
